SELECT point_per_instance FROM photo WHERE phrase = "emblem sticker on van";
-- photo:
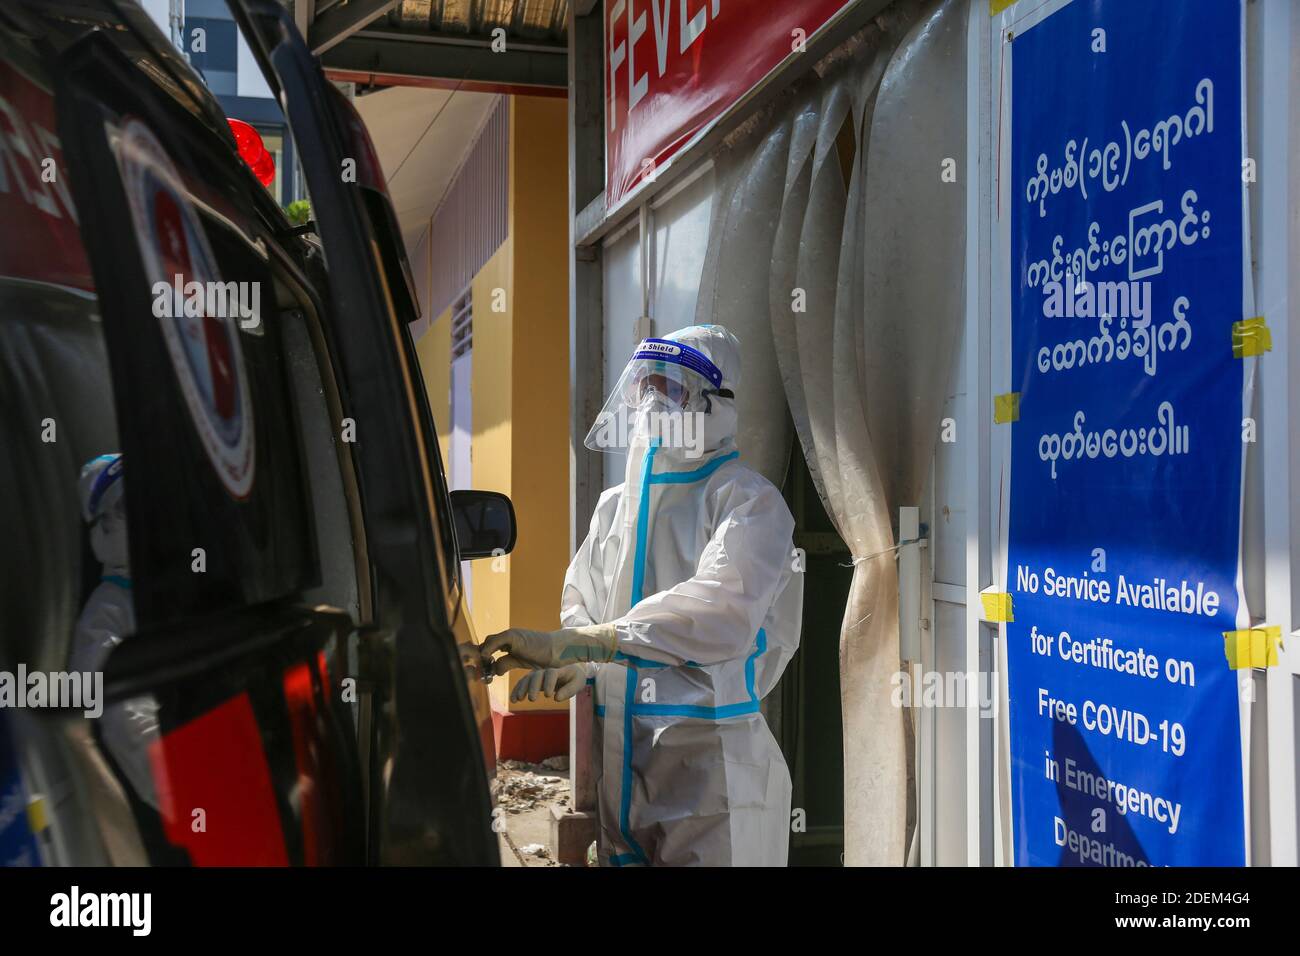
(204, 348)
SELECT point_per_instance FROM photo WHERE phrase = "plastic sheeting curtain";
(843, 224)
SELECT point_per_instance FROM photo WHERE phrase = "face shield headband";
(101, 485)
(663, 350)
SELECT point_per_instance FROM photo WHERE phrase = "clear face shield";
(661, 398)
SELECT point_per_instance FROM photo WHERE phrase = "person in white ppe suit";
(109, 617)
(683, 606)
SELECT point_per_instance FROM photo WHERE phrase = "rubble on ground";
(521, 786)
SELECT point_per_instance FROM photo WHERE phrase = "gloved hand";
(557, 683)
(538, 649)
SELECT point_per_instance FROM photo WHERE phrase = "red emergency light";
(253, 151)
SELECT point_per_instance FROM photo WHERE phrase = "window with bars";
(460, 472)
(462, 325)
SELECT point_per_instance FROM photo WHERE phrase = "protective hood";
(677, 393)
(100, 487)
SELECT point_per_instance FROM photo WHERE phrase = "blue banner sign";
(1126, 197)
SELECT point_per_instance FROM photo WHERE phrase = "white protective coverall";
(692, 559)
(109, 617)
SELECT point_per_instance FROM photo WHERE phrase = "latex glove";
(557, 683)
(539, 649)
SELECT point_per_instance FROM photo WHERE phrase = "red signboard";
(672, 67)
(39, 238)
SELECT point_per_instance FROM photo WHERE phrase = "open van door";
(432, 737)
(261, 724)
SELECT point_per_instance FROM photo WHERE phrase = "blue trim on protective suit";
(625, 802)
(642, 518)
(685, 477)
(714, 713)
(638, 586)
(648, 478)
(619, 657)
(118, 580)
(760, 646)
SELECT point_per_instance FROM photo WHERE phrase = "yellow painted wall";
(491, 449)
(519, 385)
(539, 214)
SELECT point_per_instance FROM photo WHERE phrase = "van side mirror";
(485, 524)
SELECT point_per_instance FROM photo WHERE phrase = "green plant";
(298, 211)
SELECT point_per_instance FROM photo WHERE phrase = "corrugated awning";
(537, 20)
(511, 46)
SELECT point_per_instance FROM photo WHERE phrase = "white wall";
(249, 79)
(679, 234)
(941, 769)
(621, 306)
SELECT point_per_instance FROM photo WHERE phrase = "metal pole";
(176, 22)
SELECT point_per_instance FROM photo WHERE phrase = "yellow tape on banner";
(997, 6)
(997, 607)
(37, 818)
(1251, 337)
(1254, 647)
(1006, 408)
